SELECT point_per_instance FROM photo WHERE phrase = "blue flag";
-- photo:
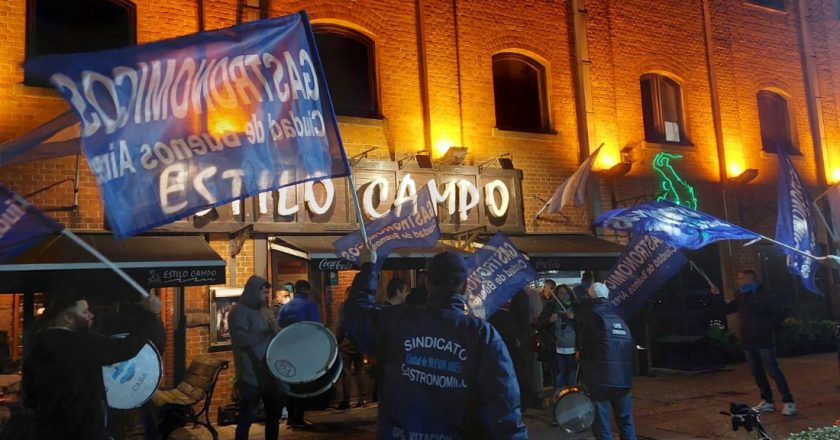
(645, 265)
(412, 223)
(677, 225)
(795, 225)
(177, 126)
(21, 225)
(499, 271)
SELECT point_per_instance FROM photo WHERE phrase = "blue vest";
(607, 348)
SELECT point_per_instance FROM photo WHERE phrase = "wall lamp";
(422, 157)
(504, 161)
(745, 177)
(357, 158)
(618, 170)
(454, 156)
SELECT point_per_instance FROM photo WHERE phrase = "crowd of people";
(438, 372)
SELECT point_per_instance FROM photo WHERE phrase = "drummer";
(62, 368)
(447, 374)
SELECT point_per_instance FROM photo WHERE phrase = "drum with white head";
(304, 357)
(129, 384)
(573, 410)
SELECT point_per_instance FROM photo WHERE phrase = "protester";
(417, 297)
(512, 321)
(533, 393)
(62, 369)
(556, 326)
(252, 327)
(586, 279)
(352, 359)
(299, 309)
(282, 296)
(447, 374)
(757, 313)
(606, 368)
(396, 292)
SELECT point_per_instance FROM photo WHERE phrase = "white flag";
(573, 190)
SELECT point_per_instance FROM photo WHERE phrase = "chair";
(177, 406)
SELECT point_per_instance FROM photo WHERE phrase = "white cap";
(600, 290)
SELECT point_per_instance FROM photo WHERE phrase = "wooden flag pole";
(143, 292)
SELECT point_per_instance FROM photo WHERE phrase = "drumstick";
(703, 274)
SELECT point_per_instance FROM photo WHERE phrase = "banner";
(679, 226)
(795, 224)
(645, 265)
(412, 223)
(499, 271)
(573, 190)
(175, 127)
(21, 225)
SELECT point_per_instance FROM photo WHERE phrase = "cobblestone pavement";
(672, 407)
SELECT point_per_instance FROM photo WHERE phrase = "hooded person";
(252, 327)
(446, 374)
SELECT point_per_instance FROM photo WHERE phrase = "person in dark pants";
(512, 322)
(606, 356)
(299, 309)
(351, 359)
(252, 327)
(758, 313)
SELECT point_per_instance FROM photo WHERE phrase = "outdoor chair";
(189, 402)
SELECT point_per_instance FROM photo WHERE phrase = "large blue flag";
(21, 225)
(677, 225)
(412, 223)
(499, 271)
(173, 127)
(645, 265)
(795, 224)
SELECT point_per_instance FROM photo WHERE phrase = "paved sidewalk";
(666, 408)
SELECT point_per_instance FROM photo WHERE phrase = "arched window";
(349, 64)
(519, 90)
(774, 119)
(61, 26)
(662, 109)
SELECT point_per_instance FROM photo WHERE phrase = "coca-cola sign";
(335, 264)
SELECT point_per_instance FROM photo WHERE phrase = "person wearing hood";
(606, 363)
(299, 309)
(757, 313)
(252, 327)
(446, 374)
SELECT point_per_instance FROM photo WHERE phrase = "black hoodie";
(250, 330)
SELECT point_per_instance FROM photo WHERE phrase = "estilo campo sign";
(466, 199)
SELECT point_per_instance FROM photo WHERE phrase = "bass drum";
(129, 384)
(573, 410)
(304, 358)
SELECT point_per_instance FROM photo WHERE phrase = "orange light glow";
(606, 160)
(219, 123)
(835, 175)
(735, 169)
(441, 147)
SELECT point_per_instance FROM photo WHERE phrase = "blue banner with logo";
(412, 223)
(795, 224)
(499, 270)
(646, 264)
(177, 126)
(677, 225)
(21, 225)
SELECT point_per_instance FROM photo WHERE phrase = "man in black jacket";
(758, 313)
(62, 373)
(606, 363)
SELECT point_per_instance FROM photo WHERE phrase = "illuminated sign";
(673, 186)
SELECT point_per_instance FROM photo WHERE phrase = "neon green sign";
(674, 187)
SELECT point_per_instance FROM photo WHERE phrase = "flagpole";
(825, 222)
(359, 216)
(791, 248)
(143, 292)
(543, 208)
(826, 192)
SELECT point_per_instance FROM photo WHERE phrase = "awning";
(170, 261)
(567, 251)
(319, 250)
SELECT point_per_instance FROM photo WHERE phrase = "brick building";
(718, 82)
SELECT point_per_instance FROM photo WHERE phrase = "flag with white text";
(795, 224)
(677, 225)
(499, 270)
(412, 223)
(21, 225)
(173, 127)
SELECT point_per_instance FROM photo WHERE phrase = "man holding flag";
(447, 374)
